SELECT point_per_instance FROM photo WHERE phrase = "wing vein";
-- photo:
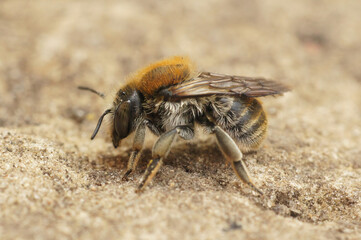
(206, 84)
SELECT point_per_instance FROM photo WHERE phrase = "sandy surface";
(57, 184)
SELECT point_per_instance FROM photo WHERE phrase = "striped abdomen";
(243, 118)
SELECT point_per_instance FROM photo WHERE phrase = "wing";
(206, 84)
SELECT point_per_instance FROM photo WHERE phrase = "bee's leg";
(138, 143)
(234, 155)
(160, 150)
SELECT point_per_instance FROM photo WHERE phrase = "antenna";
(92, 90)
(99, 123)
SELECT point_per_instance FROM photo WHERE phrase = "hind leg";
(234, 156)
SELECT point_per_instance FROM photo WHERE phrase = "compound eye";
(122, 119)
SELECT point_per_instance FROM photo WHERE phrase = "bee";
(171, 98)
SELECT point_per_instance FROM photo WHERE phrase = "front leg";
(138, 143)
(161, 149)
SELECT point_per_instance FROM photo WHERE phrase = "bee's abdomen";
(244, 119)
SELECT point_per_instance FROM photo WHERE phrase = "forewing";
(206, 84)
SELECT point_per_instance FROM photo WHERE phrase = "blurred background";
(309, 166)
(48, 48)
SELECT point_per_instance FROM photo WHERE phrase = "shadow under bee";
(185, 160)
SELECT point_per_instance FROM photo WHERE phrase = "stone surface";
(57, 184)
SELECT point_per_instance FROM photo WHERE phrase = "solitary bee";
(171, 97)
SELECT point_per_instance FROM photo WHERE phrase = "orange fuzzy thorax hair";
(162, 74)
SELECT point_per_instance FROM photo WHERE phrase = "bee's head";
(125, 111)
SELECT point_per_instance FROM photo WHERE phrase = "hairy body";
(243, 118)
(170, 98)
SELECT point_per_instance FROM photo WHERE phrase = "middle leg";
(161, 149)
